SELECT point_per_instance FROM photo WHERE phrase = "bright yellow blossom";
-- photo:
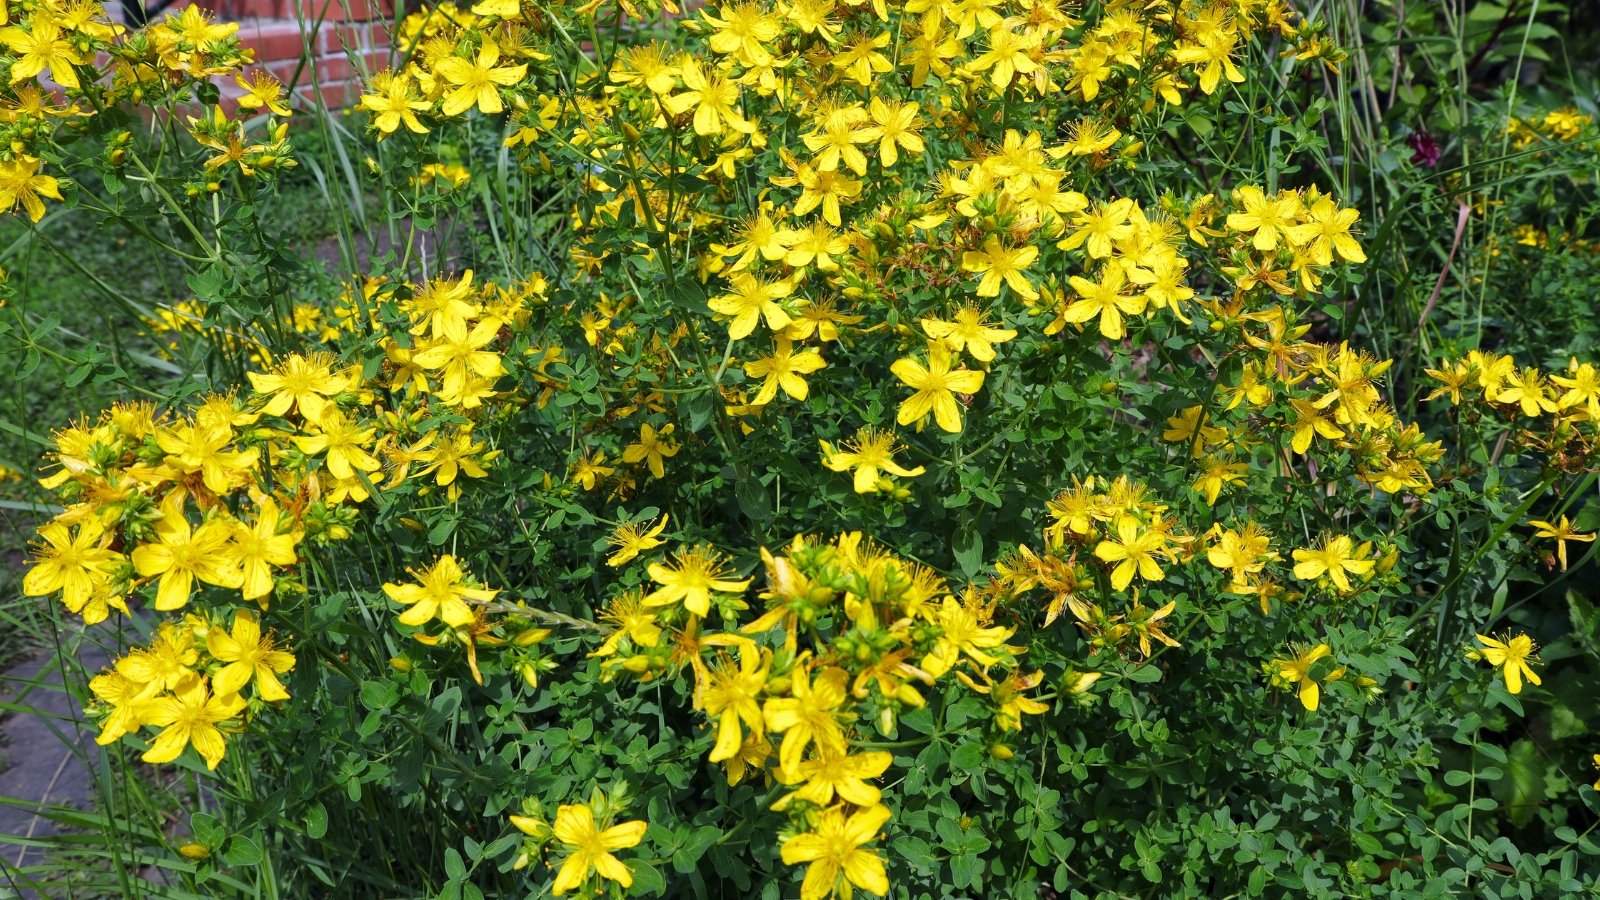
(1560, 532)
(936, 385)
(1511, 658)
(442, 591)
(189, 717)
(248, 656)
(690, 577)
(833, 847)
(591, 848)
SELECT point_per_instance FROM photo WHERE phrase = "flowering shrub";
(897, 472)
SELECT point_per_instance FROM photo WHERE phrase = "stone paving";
(49, 752)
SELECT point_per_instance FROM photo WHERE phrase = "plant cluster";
(896, 470)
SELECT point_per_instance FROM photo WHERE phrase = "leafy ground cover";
(794, 449)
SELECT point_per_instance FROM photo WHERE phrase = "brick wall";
(340, 39)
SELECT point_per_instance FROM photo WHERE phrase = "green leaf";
(966, 870)
(968, 550)
(1145, 674)
(968, 757)
(917, 852)
(316, 821)
(207, 830)
(1522, 789)
(379, 695)
(753, 498)
(647, 879)
(242, 851)
(455, 868)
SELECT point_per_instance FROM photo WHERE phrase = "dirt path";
(50, 751)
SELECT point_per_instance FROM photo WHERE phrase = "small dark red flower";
(1425, 150)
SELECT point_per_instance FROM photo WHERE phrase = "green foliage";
(1325, 723)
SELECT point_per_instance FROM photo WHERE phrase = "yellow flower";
(1010, 703)
(826, 189)
(1104, 299)
(895, 127)
(631, 619)
(589, 470)
(260, 547)
(968, 332)
(870, 453)
(42, 48)
(248, 655)
(834, 140)
(166, 664)
(1297, 671)
(1326, 231)
(690, 577)
(591, 848)
(20, 182)
(1560, 533)
(1216, 473)
(858, 57)
(1269, 218)
(262, 90)
(1528, 389)
(936, 386)
(126, 697)
(714, 99)
(997, 262)
(189, 717)
(343, 441)
(181, 555)
(392, 99)
(1134, 551)
(1511, 658)
(202, 447)
(442, 307)
(751, 300)
(1583, 387)
(70, 563)
(784, 368)
(833, 848)
(1146, 623)
(960, 633)
(302, 382)
(1311, 421)
(477, 81)
(443, 591)
(1337, 556)
(810, 714)
(835, 773)
(1008, 54)
(1097, 229)
(633, 538)
(1242, 553)
(732, 696)
(1214, 50)
(652, 448)
(461, 357)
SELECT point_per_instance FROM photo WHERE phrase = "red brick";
(244, 10)
(355, 36)
(341, 10)
(334, 94)
(273, 41)
(340, 66)
(285, 69)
